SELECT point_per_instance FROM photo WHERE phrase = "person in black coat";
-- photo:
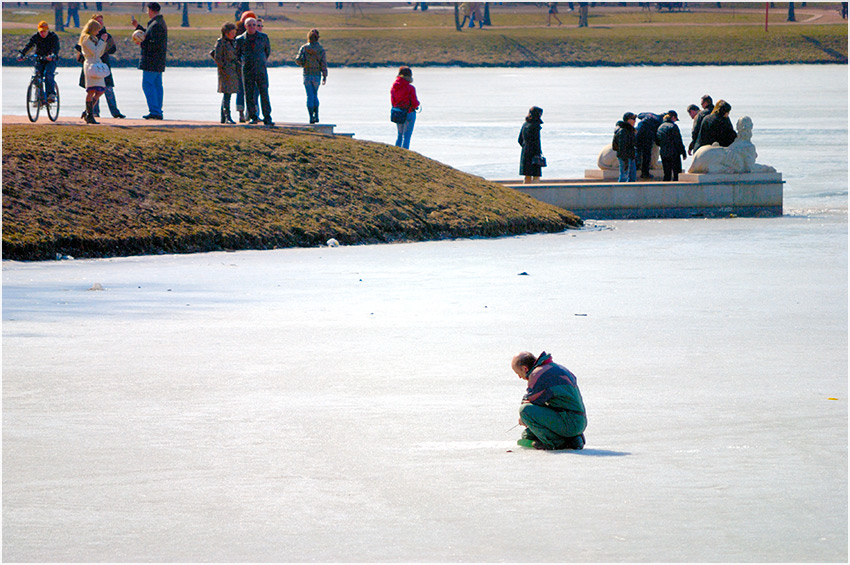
(529, 138)
(707, 106)
(152, 62)
(669, 139)
(646, 130)
(717, 127)
(624, 144)
(46, 45)
(252, 50)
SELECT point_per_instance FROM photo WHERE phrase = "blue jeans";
(48, 71)
(405, 130)
(75, 14)
(628, 170)
(311, 85)
(152, 87)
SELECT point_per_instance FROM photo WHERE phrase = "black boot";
(222, 114)
(241, 116)
(310, 112)
(90, 113)
(316, 114)
(227, 118)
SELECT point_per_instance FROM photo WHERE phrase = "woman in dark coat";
(529, 138)
(228, 68)
(717, 126)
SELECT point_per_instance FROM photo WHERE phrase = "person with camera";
(154, 46)
(552, 409)
(46, 45)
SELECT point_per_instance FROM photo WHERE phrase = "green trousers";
(550, 427)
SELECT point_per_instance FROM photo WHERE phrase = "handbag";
(99, 70)
(398, 115)
(538, 160)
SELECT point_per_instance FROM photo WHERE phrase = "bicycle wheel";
(53, 107)
(33, 101)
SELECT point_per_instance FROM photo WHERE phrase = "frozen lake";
(353, 404)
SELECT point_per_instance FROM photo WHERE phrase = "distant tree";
(487, 14)
(791, 17)
(457, 17)
(185, 15)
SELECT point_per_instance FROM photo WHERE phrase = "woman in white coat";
(93, 47)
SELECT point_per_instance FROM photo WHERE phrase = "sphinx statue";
(739, 157)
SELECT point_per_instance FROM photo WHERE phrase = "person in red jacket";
(403, 95)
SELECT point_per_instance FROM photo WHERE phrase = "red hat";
(247, 14)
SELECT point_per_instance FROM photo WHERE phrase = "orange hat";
(247, 14)
(42, 26)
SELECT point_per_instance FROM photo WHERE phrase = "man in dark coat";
(152, 62)
(252, 50)
(645, 137)
(707, 106)
(672, 148)
(624, 145)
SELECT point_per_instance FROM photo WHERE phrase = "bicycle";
(36, 93)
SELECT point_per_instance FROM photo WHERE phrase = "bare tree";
(791, 17)
(457, 17)
(185, 15)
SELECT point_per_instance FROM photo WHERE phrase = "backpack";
(614, 144)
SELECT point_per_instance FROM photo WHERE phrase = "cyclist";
(46, 45)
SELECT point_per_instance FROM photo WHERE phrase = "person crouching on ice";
(552, 409)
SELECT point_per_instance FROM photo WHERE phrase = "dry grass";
(95, 192)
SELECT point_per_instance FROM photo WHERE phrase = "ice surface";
(351, 404)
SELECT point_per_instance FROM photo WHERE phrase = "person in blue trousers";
(403, 95)
(624, 145)
(152, 63)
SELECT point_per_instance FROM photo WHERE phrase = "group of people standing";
(634, 143)
(241, 55)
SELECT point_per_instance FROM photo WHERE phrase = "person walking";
(672, 150)
(403, 97)
(228, 68)
(252, 50)
(311, 57)
(152, 62)
(624, 145)
(531, 157)
(46, 45)
(553, 13)
(717, 127)
(92, 46)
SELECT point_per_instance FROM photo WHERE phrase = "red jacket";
(403, 95)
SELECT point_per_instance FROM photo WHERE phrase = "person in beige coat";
(93, 47)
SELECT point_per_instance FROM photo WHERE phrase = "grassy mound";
(113, 191)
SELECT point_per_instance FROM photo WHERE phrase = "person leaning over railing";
(46, 45)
